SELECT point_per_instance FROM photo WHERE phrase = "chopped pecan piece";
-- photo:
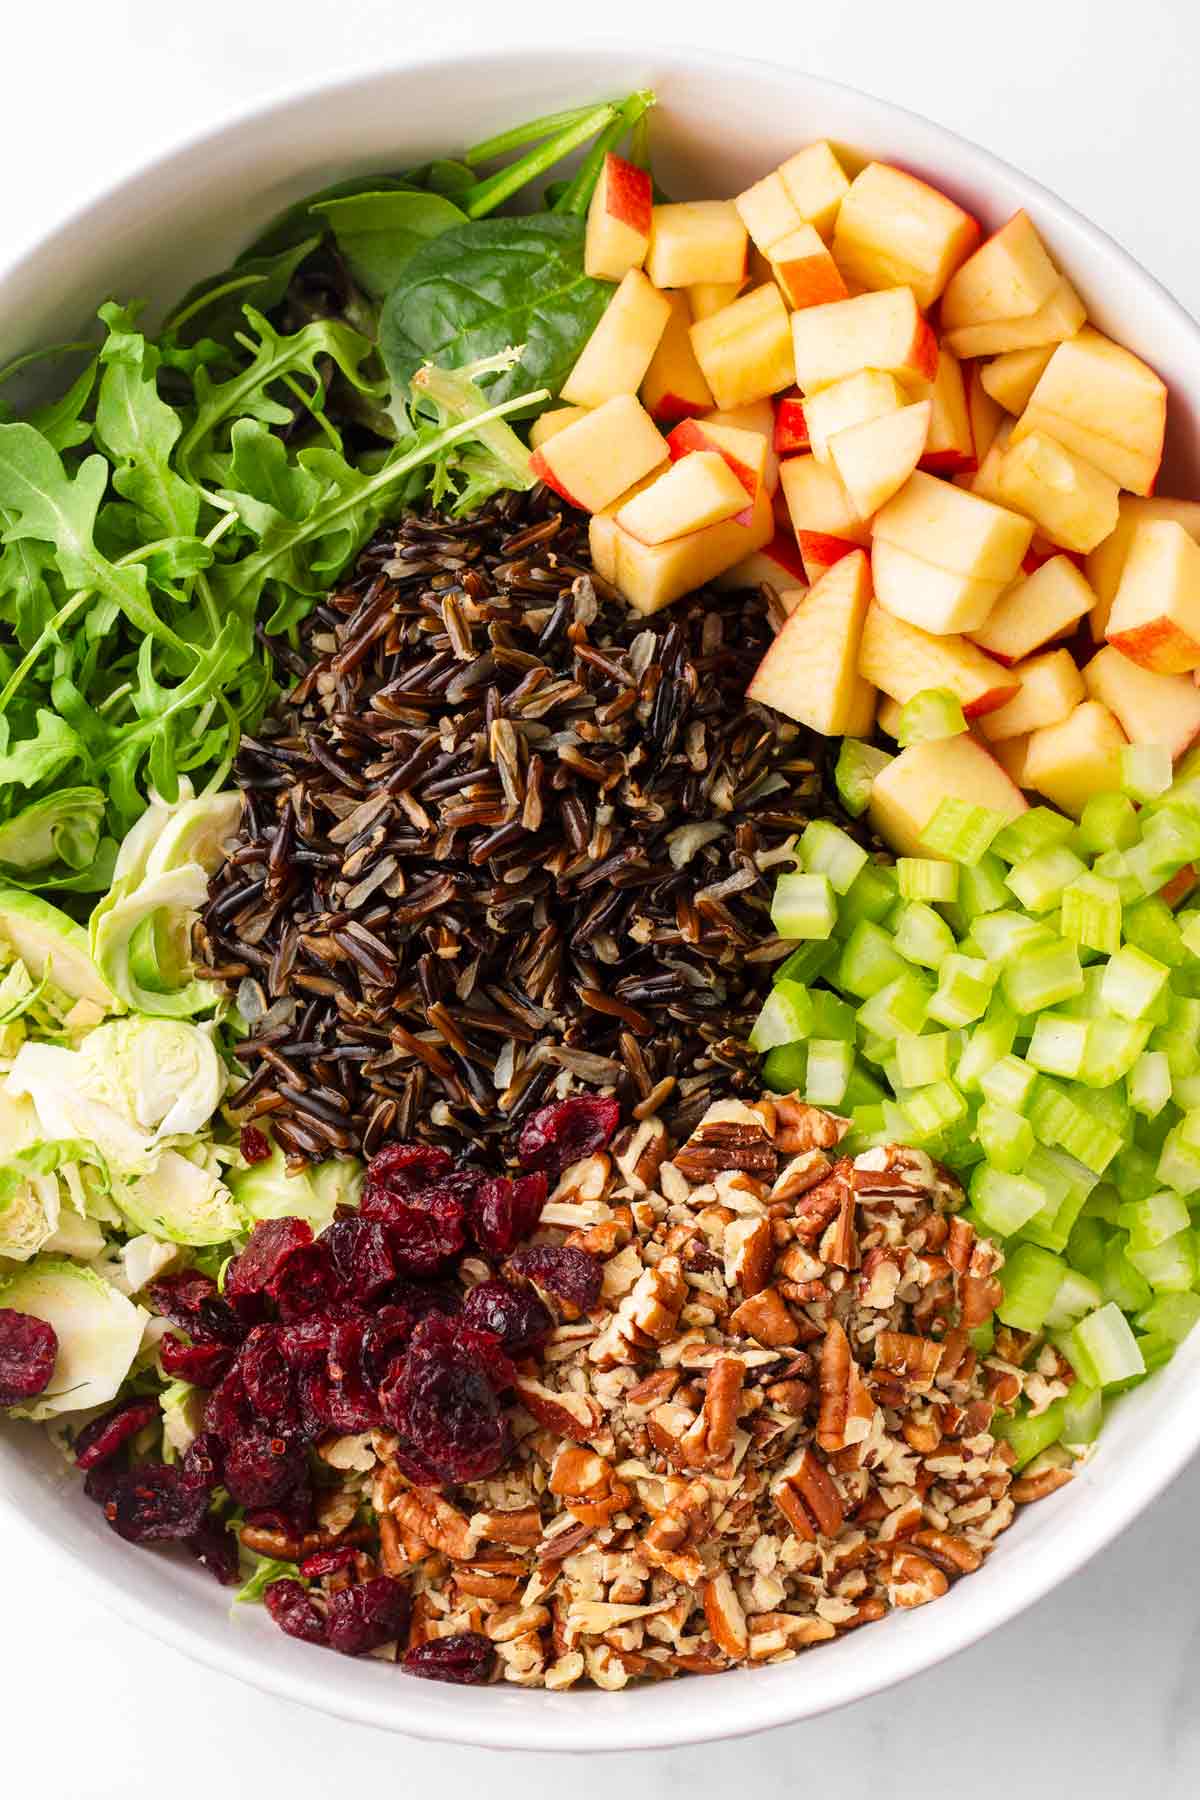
(800, 1127)
(709, 1441)
(427, 1515)
(847, 1408)
(914, 1359)
(805, 1494)
(894, 1169)
(823, 1203)
(725, 1144)
(574, 1416)
(749, 1253)
(1036, 1487)
(913, 1580)
(726, 1620)
(766, 1319)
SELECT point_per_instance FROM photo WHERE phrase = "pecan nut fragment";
(726, 1144)
(726, 1620)
(1037, 1487)
(707, 1443)
(766, 1319)
(805, 1494)
(800, 1127)
(574, 1416)
(913, 1580)
(847, 1408)
(915, 1360)
(820, 1205)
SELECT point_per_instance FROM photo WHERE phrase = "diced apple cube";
(810, 671)
(708, 297)
(1155, 618)
(768, 211)
(602, 527)
(745, 452)
(950, 446)
(887, 716)
(955, 530)
(1010, 276)
(851, 401)
(791, 426)
(938, 600)
(1011, 754)
(901, 660)
(985, 482)
(1107, 561)
(698, 490)
(617, 355)
(817, 502)
(1151, 708)
(696, 240)
(745, 350)
(986, 414)
(756, 415)
(549, 424)
(1036, 610)
(1051, 688)
(1105, 404)
(894, 231)
(860, 716)
(806, 272)
(872, 331)
(817, 183)
(651, 576)
(906, 794)
(779, 563)
(1078, 757)
(674, 387)
(1060, 318)
(603, 453)
(876, 458)
(820, 550)
(618, 222)
(1073, 501)
(1011, 378)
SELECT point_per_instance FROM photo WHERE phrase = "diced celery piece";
(831, 1017)
(1032, 832)
(899, 1007)
(1003, 1202)
(1179, 1038)
(871, 896)
(986, 1043)
(1108, 822)
(1058, 1121)
(1186, 1091)
(1148, 1083)
(980, 890)
(1006, 1137)
(1008, 1082)
(862, 1089)
(803, 906)
(1104, 1202)
(1179, 1162)
(920, 1060)
(1076, 1295)
(1083, 1415)
(934, 1109)
(1153, 1220)
(961, 830)
(963, 991)
(876, 1050)
(808, 961)
(1058, 1045)
(1152, 926)
(1189, 929)
(1170, 1315)
(1003, 935)
(1112, 1049)
(1091, 914)
(1132, 981)
(1170, 1268)
(923, 878)
(1038, 882)
(1120, 1282)
(1028, 1434)
(829, 1064)
(1030, 1279)
(922, 935)
(1135, 1173)
(933, 713)
(857, 766)
(1067, 1184)
(868, 1127)
(1113, 866)
(1145, 770)
(785, 1016)
(868, 962)
(1042, 976)
(1086, 1247)
(1105, 1349)
(1155, 1352)
(826, 849)
(785, 1068)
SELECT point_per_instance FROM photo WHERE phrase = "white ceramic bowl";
(721, 124)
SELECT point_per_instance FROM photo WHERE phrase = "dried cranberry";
(263, 1260)
(228, 1410)
(254, 1144)
(215, 1547)
(463, 1659)
(204, 1462)
(262, 1467)
(266, 1376)
(383, 1335)
(292, 1518)
(203, 1365)
(100, 1483)
(514, 1315)
(191, 1301)
(440, 1398)
(569, 1274)
(425, 1230)
(292, 1610)
(364, 1617)
(306, 1342)
(559, 1134)
(102, 1439)
(328, 1562)
(307, 1283)
(28, 1353)
(361, 1255)
(407, 1162)
(504, 1212)
(153, 1504)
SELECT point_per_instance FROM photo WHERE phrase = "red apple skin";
(783, 550)
(791, 427)
(690, 436)
(544, 472)
(989, 702)
(925, 352)
(949, 462)
(673, 408)
(1033, 560)
(628, 194)
(1179, 886)
(820, 550)
(1158, 644)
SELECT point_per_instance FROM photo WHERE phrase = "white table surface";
(1098, 1688)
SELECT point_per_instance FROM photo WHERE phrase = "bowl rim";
(765, 1702)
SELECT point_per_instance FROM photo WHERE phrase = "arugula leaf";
(379, 234)
(61, 422)
(490, 284)
(219, 299)
(139, 432)
(53, 746)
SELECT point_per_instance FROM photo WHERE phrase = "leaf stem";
(32, 356)
(577, 196)
(42, 642)
(518, 135)
(487, 195)
(203, 300)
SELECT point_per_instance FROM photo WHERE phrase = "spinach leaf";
(214, 305)
(489, 285)
(296, 223)
(443, 176)
(379, 234)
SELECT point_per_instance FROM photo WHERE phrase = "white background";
(1096, 1690)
